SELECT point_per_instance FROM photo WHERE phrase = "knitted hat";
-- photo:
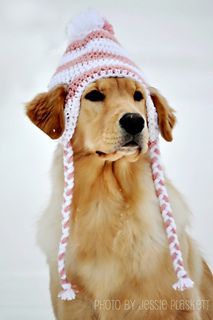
(94, 53)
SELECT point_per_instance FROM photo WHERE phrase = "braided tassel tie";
(68, 292)
(184, 282)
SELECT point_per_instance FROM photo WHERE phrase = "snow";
(172, 41)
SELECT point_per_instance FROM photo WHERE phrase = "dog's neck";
(104, 181)
(112, 203)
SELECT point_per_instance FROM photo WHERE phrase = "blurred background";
(172, 42)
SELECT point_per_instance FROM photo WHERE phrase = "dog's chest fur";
(117, 235)
(117, 232)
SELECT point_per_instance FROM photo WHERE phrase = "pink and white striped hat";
(94, 53)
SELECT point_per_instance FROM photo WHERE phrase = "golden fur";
(118, 249)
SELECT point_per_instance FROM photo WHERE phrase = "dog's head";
(112, 122)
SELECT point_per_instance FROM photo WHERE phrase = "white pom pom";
(84, 23)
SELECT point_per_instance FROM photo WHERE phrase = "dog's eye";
(138, 96)
(95, 95)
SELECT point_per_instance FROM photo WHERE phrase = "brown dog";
(118, 254)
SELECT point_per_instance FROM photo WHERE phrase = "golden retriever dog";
(117, 256)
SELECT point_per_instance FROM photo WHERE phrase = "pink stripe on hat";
(94, 56)
(98, 34)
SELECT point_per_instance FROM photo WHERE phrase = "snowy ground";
(172, 41)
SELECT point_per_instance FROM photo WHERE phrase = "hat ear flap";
(166, 115)
(46, 111)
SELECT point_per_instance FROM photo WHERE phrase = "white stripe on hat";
(95, 45)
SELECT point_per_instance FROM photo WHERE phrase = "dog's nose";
(132, 123)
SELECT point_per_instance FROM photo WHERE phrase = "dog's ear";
(166, 116)
(46, 111)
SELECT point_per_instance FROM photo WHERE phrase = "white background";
(172, 41)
